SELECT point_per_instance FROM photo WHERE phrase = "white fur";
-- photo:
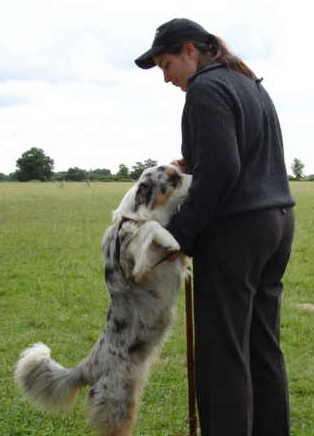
(140, 246)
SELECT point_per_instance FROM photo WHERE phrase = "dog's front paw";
(175, 246)
(168, 242)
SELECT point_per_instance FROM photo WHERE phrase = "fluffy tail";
(45, 382)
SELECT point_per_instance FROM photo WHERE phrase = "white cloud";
(68, 83)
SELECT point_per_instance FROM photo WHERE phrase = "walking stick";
(190, 355)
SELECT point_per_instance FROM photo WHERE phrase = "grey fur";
(143, 293)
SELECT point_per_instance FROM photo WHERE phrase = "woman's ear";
(190, 49)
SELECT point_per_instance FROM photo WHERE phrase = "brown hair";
(216, 51)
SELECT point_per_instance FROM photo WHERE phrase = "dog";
(143, 284)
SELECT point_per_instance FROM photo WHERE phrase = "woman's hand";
(173, 255)
(180, 164)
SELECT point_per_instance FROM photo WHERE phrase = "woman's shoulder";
(210, 81)
(216, 75)
(219, 81)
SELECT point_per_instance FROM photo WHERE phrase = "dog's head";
(157, 194)
(137, 240)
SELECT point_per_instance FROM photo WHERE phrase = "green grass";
(51, 290)
(298, 324)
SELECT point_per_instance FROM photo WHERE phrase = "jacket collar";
(204, 69)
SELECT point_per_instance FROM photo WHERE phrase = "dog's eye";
(174, 179)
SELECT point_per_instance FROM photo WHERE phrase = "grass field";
(51, 290)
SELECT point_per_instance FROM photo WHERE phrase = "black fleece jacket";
(232, 145)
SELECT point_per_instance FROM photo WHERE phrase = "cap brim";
(147, 59)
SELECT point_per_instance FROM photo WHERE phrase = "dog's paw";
(175, 246)
(168, 243)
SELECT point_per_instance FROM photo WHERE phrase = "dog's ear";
(149, 247)
(143, 194)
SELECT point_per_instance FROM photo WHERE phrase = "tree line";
(34, 164)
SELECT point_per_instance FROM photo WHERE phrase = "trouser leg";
(227, 268)
(271, 405)
(224, 389)
(271, 408)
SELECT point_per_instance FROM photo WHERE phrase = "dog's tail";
(44, 381)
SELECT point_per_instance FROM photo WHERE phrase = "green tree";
(137, 170)
(13, 176)
(123, 172)
(34, 165)
(76, 174)
(297, 168)
(100, 174)
(59, 176)
(139, 167)
(3, 177)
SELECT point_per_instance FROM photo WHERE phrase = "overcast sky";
(69, 85)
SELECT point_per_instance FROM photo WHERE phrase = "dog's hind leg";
(126, 428)
(113, 415)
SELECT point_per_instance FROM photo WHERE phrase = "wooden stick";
(190, 354)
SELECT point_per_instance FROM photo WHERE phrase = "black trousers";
(240, 371)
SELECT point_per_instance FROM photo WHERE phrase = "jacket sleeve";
(215, 163)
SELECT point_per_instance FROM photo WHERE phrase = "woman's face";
(178, 68)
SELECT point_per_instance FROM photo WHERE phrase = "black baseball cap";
(170, 33)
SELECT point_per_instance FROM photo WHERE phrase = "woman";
(237, 224)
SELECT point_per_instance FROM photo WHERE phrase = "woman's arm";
(216, 164)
